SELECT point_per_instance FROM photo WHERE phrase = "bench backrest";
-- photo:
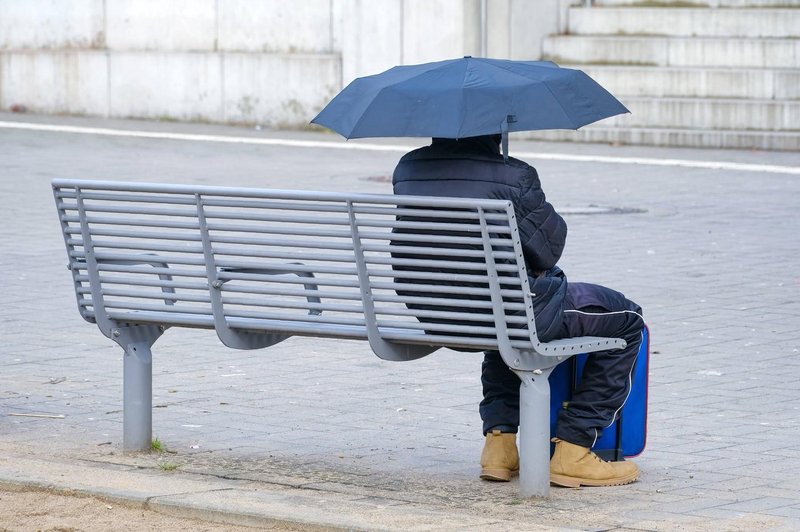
(396, 269)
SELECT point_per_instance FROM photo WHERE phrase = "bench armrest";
(277, 271)
(580, 344)
(154, 262)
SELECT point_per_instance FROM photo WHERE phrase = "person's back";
(474, 168)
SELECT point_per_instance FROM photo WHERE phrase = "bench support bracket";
(382, 348)
(534, 433)
(137, 384)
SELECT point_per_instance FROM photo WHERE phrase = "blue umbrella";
(468, 97)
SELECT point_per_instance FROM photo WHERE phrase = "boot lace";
(597, 458)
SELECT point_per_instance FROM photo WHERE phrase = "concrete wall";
(273, 62)
(382, 34)
(47, 24)
(377, 35)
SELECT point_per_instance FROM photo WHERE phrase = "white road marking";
(290, 143)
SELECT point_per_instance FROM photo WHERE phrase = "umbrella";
(468, 97)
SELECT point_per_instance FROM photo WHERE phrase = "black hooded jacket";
(474, 168)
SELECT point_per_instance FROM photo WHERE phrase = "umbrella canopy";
(468, 97)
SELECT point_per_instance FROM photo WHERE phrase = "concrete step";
(732, 22)
(697, 82)
(697, 138)
(708, 113)
(675, 51)
(700, 3)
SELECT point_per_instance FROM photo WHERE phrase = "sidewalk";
(322, 433)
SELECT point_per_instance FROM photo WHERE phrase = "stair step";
(696, 82)
(733, 22)
(676, 51)
(698, 138)
(711, 113)
(700, 3)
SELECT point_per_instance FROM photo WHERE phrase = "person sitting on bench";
(474, 168)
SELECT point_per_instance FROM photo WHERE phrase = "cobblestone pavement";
(711, 255)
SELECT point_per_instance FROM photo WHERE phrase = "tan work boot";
(500, 459)
(573, 466)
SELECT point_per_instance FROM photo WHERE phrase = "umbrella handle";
(509, 119)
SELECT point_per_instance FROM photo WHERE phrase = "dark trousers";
(590, 310)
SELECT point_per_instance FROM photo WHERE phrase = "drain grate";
(599, 209)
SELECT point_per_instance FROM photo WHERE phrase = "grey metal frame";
(260, 265)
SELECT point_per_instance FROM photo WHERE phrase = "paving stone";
(759, 504)
(708, 261)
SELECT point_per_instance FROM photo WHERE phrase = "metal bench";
(259, 266)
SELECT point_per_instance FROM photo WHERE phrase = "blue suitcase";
(627, 436)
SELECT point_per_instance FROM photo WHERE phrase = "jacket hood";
(488, 144)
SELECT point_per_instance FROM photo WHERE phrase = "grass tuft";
(157, 446)
(168, 466)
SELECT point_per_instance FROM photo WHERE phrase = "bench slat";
(141, 246)
(255, 193)
(135, 222)
(150, 270)
(150, 280)
(187, 237)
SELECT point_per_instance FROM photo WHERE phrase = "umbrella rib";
(561, 107)
(462, 118)
(546, 86)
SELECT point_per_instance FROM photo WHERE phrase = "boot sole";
(575, 482)
(498, 475)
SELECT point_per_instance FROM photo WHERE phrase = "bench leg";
(137, 384)
(534, 433)
(137, 398)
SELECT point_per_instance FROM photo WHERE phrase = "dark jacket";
(474, 168)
